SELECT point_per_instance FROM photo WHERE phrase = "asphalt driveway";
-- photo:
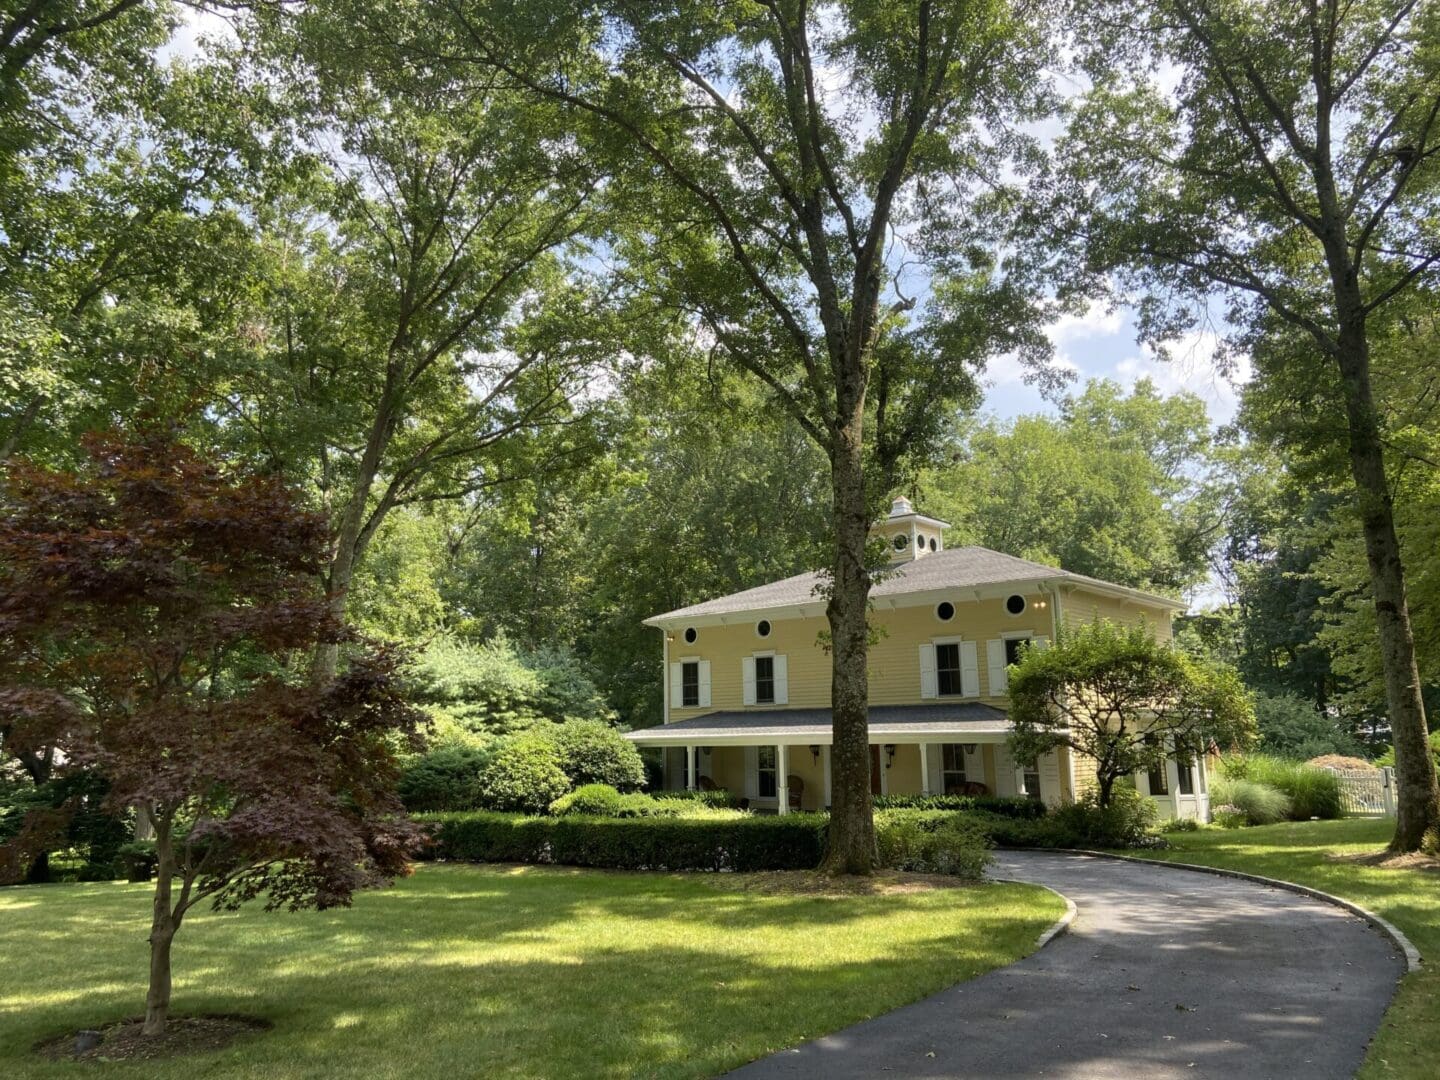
(1164, 973)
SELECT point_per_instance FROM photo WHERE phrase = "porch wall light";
(889, 754)
(815, 753)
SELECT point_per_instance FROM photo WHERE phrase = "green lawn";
(505, 972)
(1408, 1044)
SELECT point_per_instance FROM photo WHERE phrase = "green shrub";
(446, 777)
(523, 774)
(718, 797)
(738, 842)
(1125, 823)
(1313, 793)
(1179, 825)
(1260, 803)
(1003, 806)
(1229, 817)
(593, 752)
(138, 860)
(600, 800)
(933, 842)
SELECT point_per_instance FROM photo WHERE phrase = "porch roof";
(888, 723)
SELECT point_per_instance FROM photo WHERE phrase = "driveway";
(1164, 973)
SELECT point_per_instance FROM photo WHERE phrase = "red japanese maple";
(156, 616)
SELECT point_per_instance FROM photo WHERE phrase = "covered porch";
(780, 760)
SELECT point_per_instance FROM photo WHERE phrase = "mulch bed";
(1386, 860)
(122, 1041)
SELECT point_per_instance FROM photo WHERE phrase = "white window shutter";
(928, 687)
(747, 678)
(752, 772)
(782, 680)
(677, 686)
(995, 665)
(704, 684)
(969, 669)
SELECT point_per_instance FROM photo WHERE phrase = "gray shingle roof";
(885, 720)
(953, 568)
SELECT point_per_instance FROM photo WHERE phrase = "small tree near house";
(1116, 695)
(156, 616)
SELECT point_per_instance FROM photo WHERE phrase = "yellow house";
(747, 679)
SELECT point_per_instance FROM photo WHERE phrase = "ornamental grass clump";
(1257, 803)
(1313, 792)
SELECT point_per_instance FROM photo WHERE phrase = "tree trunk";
(352, 521)
(851, 848)
(1418, 796)
(162, 933)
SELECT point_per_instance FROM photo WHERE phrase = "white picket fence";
(1367, 792)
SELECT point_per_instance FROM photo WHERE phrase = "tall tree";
(1131, 488)
(1293, 166)
(152, 610)
(782, 161)
(418, 320)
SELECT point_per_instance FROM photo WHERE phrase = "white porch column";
(782, 782)
(825, 751)
(925, 768)
(692, 767)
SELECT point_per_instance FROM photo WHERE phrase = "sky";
(1100, 344)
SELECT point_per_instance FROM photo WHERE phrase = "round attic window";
(690, 635)
(762, 628)
(1015, 604)
(944, 611)
(932, 543)
(901, 541)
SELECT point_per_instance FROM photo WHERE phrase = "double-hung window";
(1159, 783)
(952, 767)
(768, 781)
(690, 684)
(947, 669)
(764, 680)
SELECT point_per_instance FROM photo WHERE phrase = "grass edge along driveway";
(506, 971)
(1313, 853)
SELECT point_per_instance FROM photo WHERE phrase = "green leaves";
(1116, 695)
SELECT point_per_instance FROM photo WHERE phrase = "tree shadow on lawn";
(670, 975)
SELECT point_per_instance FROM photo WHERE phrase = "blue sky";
(1101, 344)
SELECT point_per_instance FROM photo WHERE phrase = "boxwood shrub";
(792, 842)
(1000, 805)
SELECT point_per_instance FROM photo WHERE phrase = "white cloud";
(1096, 321)
(1191, 367)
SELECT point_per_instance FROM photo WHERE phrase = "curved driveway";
(1164, 973)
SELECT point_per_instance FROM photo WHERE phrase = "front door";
(874, 769)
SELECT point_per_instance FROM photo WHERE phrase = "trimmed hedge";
(1000, 805)
(792, 842)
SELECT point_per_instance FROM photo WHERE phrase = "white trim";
(919, 598)
(658, 737)
(925, 769)
(782, 777)
(664, 675)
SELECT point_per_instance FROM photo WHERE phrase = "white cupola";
(909, 535)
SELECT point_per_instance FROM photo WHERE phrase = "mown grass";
(504, 972)
(1313, 853)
